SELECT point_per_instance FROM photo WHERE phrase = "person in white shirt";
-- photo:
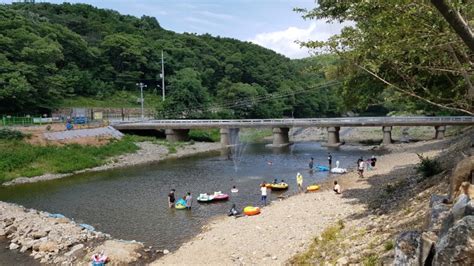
(263, 189)
(361, 168)
(337, 188)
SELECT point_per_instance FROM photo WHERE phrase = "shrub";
(211, 135)
(388, 245)
(428, 167)
(9, 134)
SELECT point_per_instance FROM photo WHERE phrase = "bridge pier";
(229, 136)
(174, 135)
(333, 137)
(280, 137)
(387, 135)
(440, 130)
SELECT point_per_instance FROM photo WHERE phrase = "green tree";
(405, 47)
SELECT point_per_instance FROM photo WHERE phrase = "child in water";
(234, 189)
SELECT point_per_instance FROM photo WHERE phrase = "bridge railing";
(285, 122)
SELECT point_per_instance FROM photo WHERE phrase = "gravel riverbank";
(148, 153)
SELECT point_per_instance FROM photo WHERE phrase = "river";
(131, 203)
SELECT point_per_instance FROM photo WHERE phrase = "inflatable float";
(313, 188)
(322, 168)
(338, 170)
(250, 210)
(180, 204)
(220, 196)
(279, 186)
(205, 198)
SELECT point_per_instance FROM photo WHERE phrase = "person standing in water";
(189, 200)
(311, 163)
(263, 190)
(171, 198)
(299, 182)
(330, 160)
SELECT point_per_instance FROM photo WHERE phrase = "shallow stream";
(131, 203)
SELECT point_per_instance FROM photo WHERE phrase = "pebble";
(165, 251)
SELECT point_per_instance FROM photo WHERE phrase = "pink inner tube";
(221, 197)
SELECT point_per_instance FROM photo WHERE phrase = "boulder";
(13, 246)
(75, 251)
(48, 246)
(462, 172)
(457, 246)
(428, 241)
(39, 234)
(119, 252)
(408, 248)
(438, 213)
(342, 261)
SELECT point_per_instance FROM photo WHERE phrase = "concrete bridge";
(177, 130)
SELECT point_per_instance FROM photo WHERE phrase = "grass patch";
(428, 167)
(372, 260)
(9, 134)
(171, 146)
(205, 135)
(18, 158)
(322, 246)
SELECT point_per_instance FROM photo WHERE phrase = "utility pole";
(162, 76)
(141, 85)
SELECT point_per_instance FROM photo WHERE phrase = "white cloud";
(285, 41)
(220, 16)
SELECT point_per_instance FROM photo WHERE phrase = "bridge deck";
(302, 122)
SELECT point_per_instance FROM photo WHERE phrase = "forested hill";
(53, 52)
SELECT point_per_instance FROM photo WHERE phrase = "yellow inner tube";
(277, 186)
(180, 206)
(313, 188)
(250, 210)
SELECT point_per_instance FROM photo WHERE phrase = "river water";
(131, 203)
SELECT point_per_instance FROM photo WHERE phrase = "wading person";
(263, 190)
(189, 200)
(330, 160)
(299, 182)
(311, 163)
(171, 198)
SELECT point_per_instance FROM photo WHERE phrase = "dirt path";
(284, 228)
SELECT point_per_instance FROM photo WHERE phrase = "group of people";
(186, 200)
(311, 162)
(361, 165)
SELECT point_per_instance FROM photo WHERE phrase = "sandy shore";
(148, 153)
(286, 227)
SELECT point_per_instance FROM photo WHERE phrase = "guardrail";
(322, 122)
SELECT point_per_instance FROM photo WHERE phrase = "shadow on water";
(131, 203)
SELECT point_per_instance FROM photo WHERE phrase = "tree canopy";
(400, 52)
(53, 52)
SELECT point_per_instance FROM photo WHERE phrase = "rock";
(428, 241)
(39, 234)
(48, 246)
(165, 251)
(119, 252)
(2, 232)
(438, 213)
(407, 248)
(13, 246)
(75, 251)
(10, 230)
(274, 258)
(461, 173)
(23, 249)
(342, 261)
(457, 246)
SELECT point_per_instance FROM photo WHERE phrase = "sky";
(269, 23)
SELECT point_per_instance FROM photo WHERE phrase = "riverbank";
(288, 227)
(147, 152)
(55, 239)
